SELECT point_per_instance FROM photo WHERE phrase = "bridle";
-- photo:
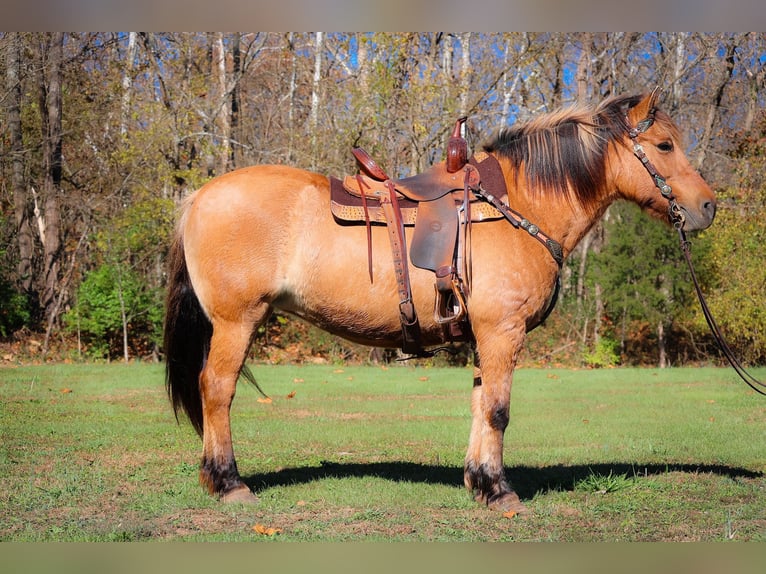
(677, 219)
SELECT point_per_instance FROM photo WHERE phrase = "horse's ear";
(644, 110)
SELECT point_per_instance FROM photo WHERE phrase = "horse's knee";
(499, 417)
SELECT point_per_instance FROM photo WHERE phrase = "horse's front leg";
(484, 474)
(218, 468)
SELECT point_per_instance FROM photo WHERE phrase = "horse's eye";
(665, 146)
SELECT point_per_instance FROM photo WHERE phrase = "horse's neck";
(565, 221)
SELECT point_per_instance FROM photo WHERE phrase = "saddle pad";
(349, 208)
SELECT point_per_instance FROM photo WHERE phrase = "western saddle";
(441, 203)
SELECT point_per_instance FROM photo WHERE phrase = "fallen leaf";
(266, 400)
(291, 395)
(585, 421)
(338, 371)
(510, 514)
(300, 503)
(266, 530)
(65, 391)
(297, 380)
(423, 379)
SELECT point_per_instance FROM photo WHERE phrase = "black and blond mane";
(565, 152)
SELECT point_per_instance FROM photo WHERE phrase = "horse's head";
(657, 171)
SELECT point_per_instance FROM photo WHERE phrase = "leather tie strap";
(407, 314)
(367, 224)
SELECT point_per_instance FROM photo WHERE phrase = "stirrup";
(449, 306)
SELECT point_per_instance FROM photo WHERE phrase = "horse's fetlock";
(219, 478)
(488, 485)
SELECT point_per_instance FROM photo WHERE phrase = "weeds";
(603, 484)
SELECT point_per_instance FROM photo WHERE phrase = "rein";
(678, 220)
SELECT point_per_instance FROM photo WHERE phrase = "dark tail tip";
(187, 334)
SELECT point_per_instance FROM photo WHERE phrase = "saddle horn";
(457, 148)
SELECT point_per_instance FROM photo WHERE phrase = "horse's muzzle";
(700, 218)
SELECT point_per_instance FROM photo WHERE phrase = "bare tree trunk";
(367, 117)
(123, 316)
(52, 51)
(222, 105)
(465, 72)
(583, 68)
(362, 60)
(679, 63)
(724, 78)
(754, 75)
(127, 83)
(583, 247)
(505, 110)
(662, 344)
(291, 98)
(598, 313)
(24, 236)
(236, 57)
(447, 56)
(314, 114)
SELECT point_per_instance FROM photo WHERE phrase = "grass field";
(93, 453)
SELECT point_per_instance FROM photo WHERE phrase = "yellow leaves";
(66, 391)
(510, 514)
(266, 530)
(290, 395)
(265, 400)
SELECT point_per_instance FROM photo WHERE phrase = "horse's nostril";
(708, 208)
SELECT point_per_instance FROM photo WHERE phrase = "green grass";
(93, 453)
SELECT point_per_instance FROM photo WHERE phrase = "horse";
(262, 237)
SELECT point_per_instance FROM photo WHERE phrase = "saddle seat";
(429, 185)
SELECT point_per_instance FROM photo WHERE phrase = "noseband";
(677, 219)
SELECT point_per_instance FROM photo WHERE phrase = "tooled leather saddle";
(441, 205)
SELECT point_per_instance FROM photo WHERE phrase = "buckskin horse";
(263, 237)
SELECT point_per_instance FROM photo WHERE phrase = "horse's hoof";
(240, 495)
(509, 502)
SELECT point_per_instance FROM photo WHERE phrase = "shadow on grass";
(526, 481)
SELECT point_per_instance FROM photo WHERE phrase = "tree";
(51, 55)
(22, 211)
(117, 300)
(642, 275)
(734, 250)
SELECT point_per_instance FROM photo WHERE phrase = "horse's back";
(237, 226)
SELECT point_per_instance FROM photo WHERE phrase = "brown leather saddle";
(441, 206)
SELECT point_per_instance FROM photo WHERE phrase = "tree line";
(102, 135)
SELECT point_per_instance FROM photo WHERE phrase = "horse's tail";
(187, 338)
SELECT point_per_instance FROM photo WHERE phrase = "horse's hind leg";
(228, 349)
